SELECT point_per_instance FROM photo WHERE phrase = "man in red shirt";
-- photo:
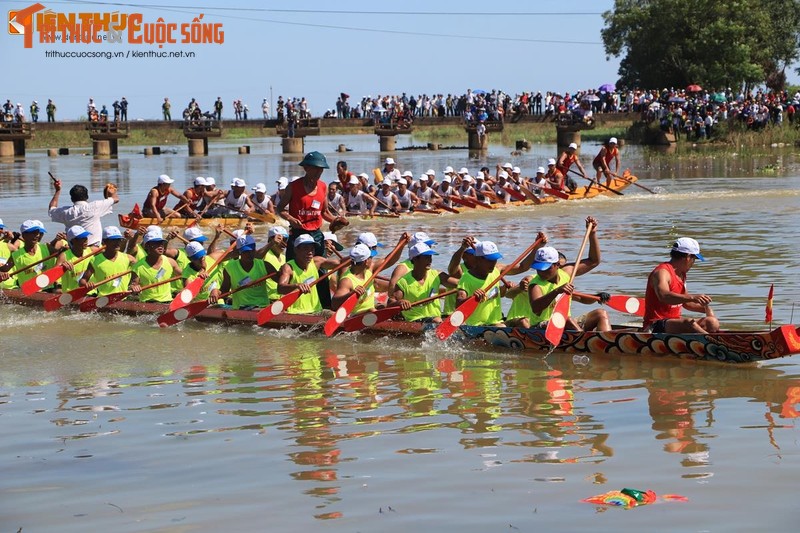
(304, 204)
(666, 294)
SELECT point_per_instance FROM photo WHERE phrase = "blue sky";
(318, 49)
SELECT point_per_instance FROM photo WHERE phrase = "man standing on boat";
(567, 158)
(304, 204)
(666, 294)
(82, 212)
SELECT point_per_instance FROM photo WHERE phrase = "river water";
(111, 424)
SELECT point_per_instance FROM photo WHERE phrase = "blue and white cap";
(545, 257)
(77, 232)
(488, 250)
(421, 236)
(195, 250)
(420, 249)
(278, 230)
(32, 225)
(305, 238)
(245, 243)
(112, 233)
(360, 253)
(194, 234)
(153, 235)
(369, 239)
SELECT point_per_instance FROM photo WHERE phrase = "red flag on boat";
(136, 212)
(768, 314)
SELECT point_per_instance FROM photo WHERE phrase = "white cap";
(540, 170)
(237, 182)
(463, 170)
(112, 233)
(1, 224)
(421, 236)
(551, 161)
(423, 177)
(305, 238)
(430, 172)
(407, 174)
(74, 232)
(163, 178)
(152, 235)
(688, 245)
(448, 170)
(545, 257)
(364, 175)
(200, 180)
(294, 178)
(360, 253)
(507, 165)
(260, 187)
(210, 181)
(194, 234)
(32, 225)
(194, 250)
(574, 146)
(282, 182)
(612, 140)
(353, 181)
(389, 161)
(402, 181)
(502, 174)
(516, 170)
(447, 179)
(487, 249)
(369, 239)
(277, 230)
(468, 179)
(420, 249)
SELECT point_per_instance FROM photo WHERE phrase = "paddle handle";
(434, 297)
(159, 283)
(585, 240)
(39, 262)
(513, 264)
(603, 185)
(386, 260)
(246, 285)
(111, 278)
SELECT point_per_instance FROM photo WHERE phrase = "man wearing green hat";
(304, 204)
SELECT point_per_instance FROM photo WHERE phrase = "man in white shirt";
(82, 212)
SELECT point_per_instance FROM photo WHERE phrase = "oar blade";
(556, 193)
(459, 317)
(170, 318)
(66, 298)
(188, 294)
(92, 304)
(558, 320)
(627, 304)
(37, 283)
(340, 315)
(277, 307)
(369, 319)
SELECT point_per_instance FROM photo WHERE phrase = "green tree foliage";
(722, 43)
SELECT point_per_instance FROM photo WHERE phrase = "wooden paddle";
(431, 211)
(347, 307)
(104, 301)
(191, 290)
(263, 217)
(66, 298)
(37, 263)
(440, 205)
(558, 320)
(603, 185)
(530, 195)
(462, 201)
(170, 318)
(52, 275)
(465, 310)
(555, 192)
(278, 306)
(624, 178)
(370, 318)
(515, 194)
(618, 302)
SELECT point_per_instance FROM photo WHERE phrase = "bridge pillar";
(477, 142)
(387, 143)
(104, 147)
(293, 145)
(567, 135)
(7, 148)
(198, 146)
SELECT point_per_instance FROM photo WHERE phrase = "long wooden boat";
(727, 347)
(219, 315)
(127, 221)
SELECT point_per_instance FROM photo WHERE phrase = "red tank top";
(307, 208)
(161, 201)
(655, 310)
(609, 157)
(567, 162)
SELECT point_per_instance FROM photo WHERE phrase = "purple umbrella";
(607, 88)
